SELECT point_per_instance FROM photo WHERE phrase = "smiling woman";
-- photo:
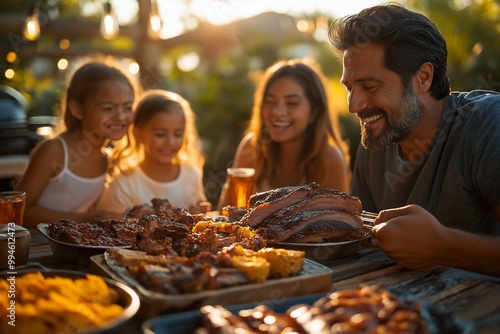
(293, 137)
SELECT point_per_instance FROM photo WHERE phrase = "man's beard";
(405, 120)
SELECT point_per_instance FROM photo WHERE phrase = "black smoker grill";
(14, 132)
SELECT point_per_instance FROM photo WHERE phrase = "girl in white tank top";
(70, 192)
(65, 182)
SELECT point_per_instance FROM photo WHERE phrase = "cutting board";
(314, 278)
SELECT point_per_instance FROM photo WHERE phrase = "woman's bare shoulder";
(334, 155)
(246, 152)
(337, 172)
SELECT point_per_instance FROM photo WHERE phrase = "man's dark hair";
(410, 39)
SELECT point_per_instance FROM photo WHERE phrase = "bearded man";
(430, 158)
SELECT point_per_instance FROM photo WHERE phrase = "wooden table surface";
(472, 298)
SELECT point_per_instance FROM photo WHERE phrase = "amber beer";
(241, 186)
(12, 207)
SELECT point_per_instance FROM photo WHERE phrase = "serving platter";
(313, 278)
(325, 252)
(188, 322)
(439, 320)
(72, 253)
(128, 298)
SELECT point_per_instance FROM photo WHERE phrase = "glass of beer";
(241, 186)
(12, 207)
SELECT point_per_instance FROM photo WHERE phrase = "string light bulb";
(109, 23)
(155, 23)
(31, 29)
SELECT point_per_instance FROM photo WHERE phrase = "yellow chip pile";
(56, 304)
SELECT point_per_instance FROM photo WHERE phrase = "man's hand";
(411, 236)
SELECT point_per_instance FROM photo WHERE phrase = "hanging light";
(155, 23)
(109, 23)
(31, 29)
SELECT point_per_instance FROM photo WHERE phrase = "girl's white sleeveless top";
(69, 192)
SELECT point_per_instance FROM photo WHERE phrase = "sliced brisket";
(281, 229)
(266, 203)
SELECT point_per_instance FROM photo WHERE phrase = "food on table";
(121, 232)
(231, 266)
(179, 274)
(176, 256)
(319, 231)
(240, 233)
(281, 262)
(255, 268)
(305, 214)
(160, 206)
(170, 237)
(218, 320)
(369, 309)
(58, 304)
(233, 213)
(104, 233)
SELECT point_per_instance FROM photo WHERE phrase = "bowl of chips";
(60, 301)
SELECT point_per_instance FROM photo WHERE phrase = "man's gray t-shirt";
(457, 180)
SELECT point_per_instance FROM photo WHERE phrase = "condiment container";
(14, 246)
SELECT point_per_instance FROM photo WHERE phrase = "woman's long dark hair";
(323, 130)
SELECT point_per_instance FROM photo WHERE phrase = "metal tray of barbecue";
(325, 252)
(72, 253)
(439, 320)
(313, 278)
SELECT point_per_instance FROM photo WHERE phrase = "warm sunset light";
(179, 16)
(133, 68)
(62, 64)
(11, 57)
(188, 62)
(9, 73)
(64, 43)
(31, 28)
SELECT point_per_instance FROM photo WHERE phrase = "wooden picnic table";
(471, 298)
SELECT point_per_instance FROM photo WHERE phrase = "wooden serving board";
(314, 278)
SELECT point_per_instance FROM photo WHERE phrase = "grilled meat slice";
(138, 211)
(323, 199)
(104, 233)
(321, 231)
(287, 213)
(281, 229)
(265, 204)
(278, 194)
(177, 275)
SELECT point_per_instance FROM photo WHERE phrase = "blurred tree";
(232, 59)
(472, 32)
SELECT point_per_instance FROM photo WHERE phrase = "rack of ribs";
(305, 214)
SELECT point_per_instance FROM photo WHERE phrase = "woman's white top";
(134, 188)
(69, 192)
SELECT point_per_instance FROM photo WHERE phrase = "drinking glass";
(241, 186)
(12, 207)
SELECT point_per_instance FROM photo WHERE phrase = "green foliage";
(471, 32)
(221, 89)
